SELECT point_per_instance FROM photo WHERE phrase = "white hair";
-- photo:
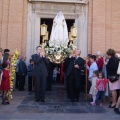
(98, 53)
(79, 51)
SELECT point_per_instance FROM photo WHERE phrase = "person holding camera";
(40, 73)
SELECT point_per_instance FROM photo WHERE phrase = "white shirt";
(92, 68)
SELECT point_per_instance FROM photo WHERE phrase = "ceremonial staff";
(86, 77)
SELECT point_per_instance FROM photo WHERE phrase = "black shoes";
(77, 100)
(74, 100)
(112, 106)
(42, 100)
(37, 100)
(5, 103)
(116, 110)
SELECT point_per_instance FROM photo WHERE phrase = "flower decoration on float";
(57, 54)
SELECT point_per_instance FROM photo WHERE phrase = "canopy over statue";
(59, 34)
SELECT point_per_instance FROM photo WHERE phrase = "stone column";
(32, 31)
(81, 23)
(29, 31)
(37, 33)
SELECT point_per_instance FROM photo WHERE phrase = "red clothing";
(89, 64)
(100, 63)
(104, 81)
(5, 84)
(61, 73)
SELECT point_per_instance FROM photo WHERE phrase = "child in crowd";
(5, 83)
(101, 87)
(55, 72)
(30, 75)
(93, 90)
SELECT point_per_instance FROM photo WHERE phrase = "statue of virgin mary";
(59, 34)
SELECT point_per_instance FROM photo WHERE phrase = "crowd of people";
(103, 78)
(101, 71)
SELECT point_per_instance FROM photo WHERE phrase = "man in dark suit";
(74, 75)
(66, 64)
(22, 72)
(40, 72)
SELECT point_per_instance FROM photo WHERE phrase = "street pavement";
(56, 107)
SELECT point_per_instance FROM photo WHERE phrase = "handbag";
(113, 78)
(118, 70)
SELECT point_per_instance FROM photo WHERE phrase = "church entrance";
(58, 67)
(40, 12)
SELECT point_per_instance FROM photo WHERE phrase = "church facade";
(97, 21)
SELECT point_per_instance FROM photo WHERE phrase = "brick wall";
(13, 25)
(103, 25)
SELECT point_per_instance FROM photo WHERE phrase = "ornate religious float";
(61, 44)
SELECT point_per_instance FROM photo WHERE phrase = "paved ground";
(56, 107)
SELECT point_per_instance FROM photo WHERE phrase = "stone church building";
(97, 21)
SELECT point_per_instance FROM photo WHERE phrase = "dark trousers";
(17, 81)
(30, 78)
(54, 79)
(65, 81)
(68, 88)
(40, 86)
(49, 82)
(21, 82)
(100, 94)
(74, 87)
(82, 83)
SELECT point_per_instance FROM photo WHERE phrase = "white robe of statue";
(59, 34)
